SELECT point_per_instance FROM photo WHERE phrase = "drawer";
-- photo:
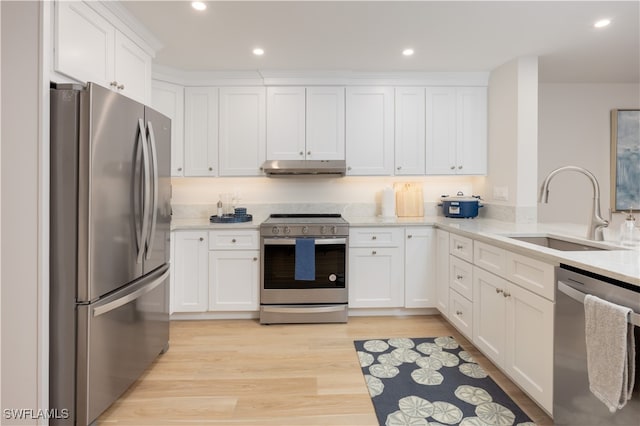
(461, 313)
(234, 240)
(531, 274)
(461, 277)
(376, 237)
(490, 258)
(461, 247)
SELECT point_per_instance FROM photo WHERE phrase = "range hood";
(283, 168)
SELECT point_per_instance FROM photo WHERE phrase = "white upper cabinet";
(369, 130)
(305, 123)
(169, 99)
(410, 131)
(286, 123)
(87, 47)
(325, 123)
(456, 136)
(242, 130)
(201, 131)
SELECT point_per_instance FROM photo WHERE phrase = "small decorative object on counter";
(629, 234)
(409, 199)
(460, 206)
(240, 215)
(220, 211)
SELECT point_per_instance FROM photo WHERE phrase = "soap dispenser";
(629, 234)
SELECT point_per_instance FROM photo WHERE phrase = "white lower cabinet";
(234, 280)
(419, 273)
(461, 313)
(191, 286)
(514, 328)
(376, 277)
(234, 270)
(442, 272)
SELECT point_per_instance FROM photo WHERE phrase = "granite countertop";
(621, 263)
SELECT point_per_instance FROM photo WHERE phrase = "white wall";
(512, 140)
(574, 129)
(20, 106)
(345, 190)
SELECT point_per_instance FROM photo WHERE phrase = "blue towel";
(305, 259)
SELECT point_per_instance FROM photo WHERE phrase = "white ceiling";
(370, 35)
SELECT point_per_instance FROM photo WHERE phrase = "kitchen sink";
(557, 243)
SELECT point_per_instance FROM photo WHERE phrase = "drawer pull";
(459, 247)
(255, 259)
(233, 240)
(505, 294)
(459, 277)
(499, 290)
(374, 252)
(459, 313)
(374, 238)
(201, 239)
(409, 236)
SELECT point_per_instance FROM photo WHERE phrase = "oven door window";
(279, 267)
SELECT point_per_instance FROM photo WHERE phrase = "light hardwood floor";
(238, 372)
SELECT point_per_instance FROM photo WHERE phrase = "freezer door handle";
(108, 307)
(146, 192)
(154, 194)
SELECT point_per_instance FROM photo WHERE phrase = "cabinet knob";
(409, 236)
(499, 290)
(459, 277)
(201, 239)
(179, 169)
(459, 313)
(113, 84)
(374, 252)
(505, 294)
(459, 247)
(301, 153)
(120, 87)
(349, 168)
(233, 240)
(210, 169)
(399, 168)
(308, 152)
(453, 167)
(255, 259)
(459, 167)
(374, 237)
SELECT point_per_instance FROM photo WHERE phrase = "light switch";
(501, 193)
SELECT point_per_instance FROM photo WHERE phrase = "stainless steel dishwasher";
(573, 402)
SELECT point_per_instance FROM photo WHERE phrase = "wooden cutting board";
(409, 199)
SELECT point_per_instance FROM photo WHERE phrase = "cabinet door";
(376, 278)
(132, 69)
(441, 130)
(168, 99)
(234, 278)
(242, 130)
(442, 272)
(325, 123)
(190, 288)
(471, 130)
(529, 356)
(419, 273)
(461, 277)
(84, 43)
(369, 130)
(201, 131)
(489, 314)
(285, 123)
(410, 131)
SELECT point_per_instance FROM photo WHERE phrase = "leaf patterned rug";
(432, 381)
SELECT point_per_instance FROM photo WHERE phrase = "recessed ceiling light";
(407, 52)
(258, 51)
(602, 23)
(198, 5)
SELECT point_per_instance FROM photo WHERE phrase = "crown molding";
(128, 24)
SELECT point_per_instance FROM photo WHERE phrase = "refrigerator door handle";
(101, 310)
(155, 183)
(146, 192)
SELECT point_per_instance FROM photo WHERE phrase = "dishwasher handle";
(579, 296)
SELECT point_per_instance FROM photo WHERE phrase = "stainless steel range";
(304, 268)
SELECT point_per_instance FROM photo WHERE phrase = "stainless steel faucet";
(596, 223)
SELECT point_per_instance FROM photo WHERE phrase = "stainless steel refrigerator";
(109, 245)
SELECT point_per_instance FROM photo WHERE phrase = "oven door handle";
(292, 241)
(304, 310)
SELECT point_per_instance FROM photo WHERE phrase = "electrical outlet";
(501, 193)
